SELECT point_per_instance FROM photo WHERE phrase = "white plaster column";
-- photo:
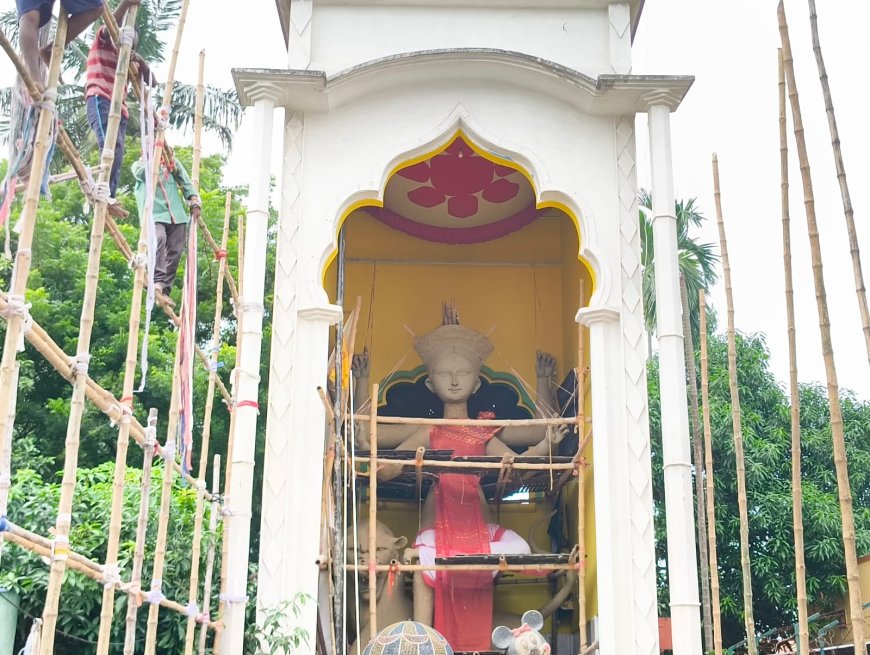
(299, 34)
(248, 375)
(612, 504)
(680, 520)
(619, 37)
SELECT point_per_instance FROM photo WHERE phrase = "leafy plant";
(275, 634)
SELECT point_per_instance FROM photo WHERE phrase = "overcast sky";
(732, 109)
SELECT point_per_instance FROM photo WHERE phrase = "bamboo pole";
(17, 315)
(231, 438)
(165, 504)
(209, 560)
(848, 211)
(711, 489)
(100, 397)
(141, 532)
(698, 456)
(206, 436)
(856, 610)
(197, 122)
(43, 542)
(745, 565)
(803, 636)
(581, 477)
(373, 514)
(77, 404)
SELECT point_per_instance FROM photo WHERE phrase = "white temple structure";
(544, 89)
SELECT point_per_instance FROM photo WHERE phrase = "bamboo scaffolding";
(206, 437)
(450, 464)
(495, 423)
(409, 568)
(60, 177)
(99, 396)
(44, 542)
(373, 513)
(856, 610)
(581, 477)
(165, 504)
(848, 211)
(803, 636)
(16, 317)
(740, 469)
(209, 560)
(698, 457)
(77, 404)
(711, 489)
(141, 532)
(231, 438)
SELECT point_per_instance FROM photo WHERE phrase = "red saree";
(463, 601)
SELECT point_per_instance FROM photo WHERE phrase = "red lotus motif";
(459, 176)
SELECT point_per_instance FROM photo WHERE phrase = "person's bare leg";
(424, 600)
(28, 26)
(74, 27)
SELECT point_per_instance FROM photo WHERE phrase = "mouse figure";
(525, 640)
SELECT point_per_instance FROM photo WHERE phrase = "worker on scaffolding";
(175, 195)
(33, 15)
(102, 63)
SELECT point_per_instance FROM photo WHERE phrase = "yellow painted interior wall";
(523, 290)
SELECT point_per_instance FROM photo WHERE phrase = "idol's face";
(453, 378)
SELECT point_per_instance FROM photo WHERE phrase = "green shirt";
(172, 192)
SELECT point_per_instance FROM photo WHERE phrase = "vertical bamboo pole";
(23, 260)
(196, 545)
(848, 212)
(800, 569)
(86, 323)
(209, 560)
(228, 473)
(745, 565)
(856, 610)
(141, 533)
(581, 477)
(698, 456)
(115, 522)
(165, 504)
(206, 433)
(373, 513)
(711, 489)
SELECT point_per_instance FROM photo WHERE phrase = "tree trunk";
(797, 496)
(711, 490)
(856, 610)
(698, 457)
(848, 212)
(748, 615)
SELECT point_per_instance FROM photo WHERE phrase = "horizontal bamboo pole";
(44, 542)
(494, 423)
(450, 464)
(60, 177)
(99, 396)
(403, 568)
(77, 565)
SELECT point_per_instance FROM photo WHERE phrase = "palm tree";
(222, 111)
(697, 260)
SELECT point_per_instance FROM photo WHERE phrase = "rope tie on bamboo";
(233, 598)
(248, 403)
(155, 596)
(111, 575)
(162, 117)
(102, 193)
(79, 364)
(220, 254)
(49, 100)
(239, 371)
(60, 548)
(191, 610)
(168, 452)
(203, 618)
(151, 435)
(127, 35)
(251, 306)
(87, 186)
(200, 485)
(16, 307)
(124, 407)
(139, 260)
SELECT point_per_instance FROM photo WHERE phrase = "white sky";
(730, 47)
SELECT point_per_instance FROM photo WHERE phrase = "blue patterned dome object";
(408, 638)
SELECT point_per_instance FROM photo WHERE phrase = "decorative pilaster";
(248, 380)
(277, 526)
(680, 521)
(299, 36)
(619, 15)
(639, 463)
(612, 503)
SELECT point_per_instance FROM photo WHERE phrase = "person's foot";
(45, 55)
(116, 210)
(163, 298)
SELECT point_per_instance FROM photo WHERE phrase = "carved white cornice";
(663, 97)
(264, 90)
(331, 314)
(604, 95)
(589, 316)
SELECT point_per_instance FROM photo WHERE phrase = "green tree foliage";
(766, 428)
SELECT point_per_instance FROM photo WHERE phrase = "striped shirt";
(102, 62)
